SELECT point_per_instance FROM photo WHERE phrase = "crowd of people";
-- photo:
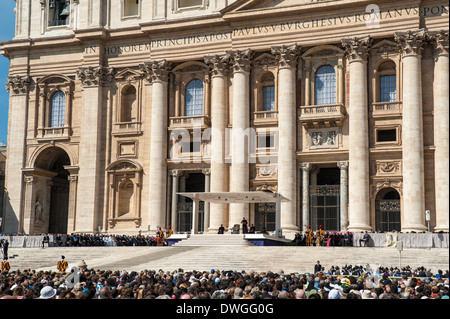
(346, 282)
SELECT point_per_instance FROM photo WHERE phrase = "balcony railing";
(127, 128)
(322, 115)
(201, 121)
(62, 132)
(387, 108)
(265, 117)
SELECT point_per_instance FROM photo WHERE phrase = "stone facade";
(117, 105)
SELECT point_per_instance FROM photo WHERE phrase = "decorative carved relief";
(323, 139)
(266, 171)
(388, 167)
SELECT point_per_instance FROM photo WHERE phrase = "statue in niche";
(38, 210)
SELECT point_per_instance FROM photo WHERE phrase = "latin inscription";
(370, 16)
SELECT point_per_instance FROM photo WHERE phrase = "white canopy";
(235, 197)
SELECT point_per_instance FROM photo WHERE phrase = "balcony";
(126, 128)
(265, 117)
(322, 115)
(53, 133)
(189, 122)
(387, 109)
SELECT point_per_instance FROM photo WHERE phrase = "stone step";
(214, 240)
(256, 258)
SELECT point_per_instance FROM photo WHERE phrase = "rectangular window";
(268, 98)
(266, 141)
(388, 88)
(191, 147)
(189, 3)
(58, 12)
(387, 135)
(131, 8)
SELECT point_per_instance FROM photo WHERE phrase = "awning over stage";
(234, 198)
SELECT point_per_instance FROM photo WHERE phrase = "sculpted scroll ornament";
(411, 42)
(357, 48)
(286, 55)
(440, 42)
(241, 60)
(94, 76)
(156, 71)
(18, 84)
(218, 64)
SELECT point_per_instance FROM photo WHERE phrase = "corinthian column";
(219, 120)
(18, 87)
(441, 116)
(358, 170)
(157, 72)
(88, 210)
(287, 122)
(412, 128)
(241, 61)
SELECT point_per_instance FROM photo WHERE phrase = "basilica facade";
(340, 106)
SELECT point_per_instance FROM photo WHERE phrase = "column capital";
(156, 71)
(343, 164)
(357, 48)
(304, 166)
(287, 55)
(411, 42)
(176, 172)
(241, 60)
(18, 84)
(92, 76)
(206, 171)
(439, 40)
(218, 64)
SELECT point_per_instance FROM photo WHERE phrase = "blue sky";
(7, 25)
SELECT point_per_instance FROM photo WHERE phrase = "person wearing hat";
(47, 293)
(169, 233)
(309, 236)
(62, 264)
(320, 235)
(5, 265)
(160, 237)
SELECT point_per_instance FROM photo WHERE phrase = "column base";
(443, 229)
(359, 228)
(414, 228)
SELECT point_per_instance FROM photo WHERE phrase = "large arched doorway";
(388, 210)
(53, 194)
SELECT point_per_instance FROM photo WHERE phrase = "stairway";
(214, 240)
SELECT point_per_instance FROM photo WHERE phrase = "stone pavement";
(287, 258)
